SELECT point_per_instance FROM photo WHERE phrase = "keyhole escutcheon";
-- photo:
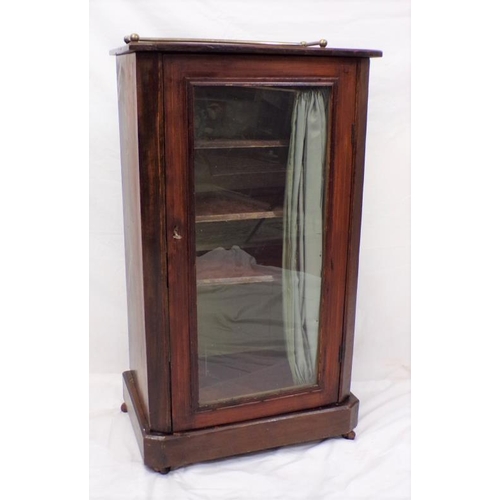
(177, 236)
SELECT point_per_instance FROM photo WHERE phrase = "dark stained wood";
(135, 408)
(257, 435)
(141, 118)
(162, 451)
(220, 206)
(181, 73)
(239, 213)
(161, 214)
(240, 49)
(180, 206)
(358, 140)
(152, 162)
(129, 151)
(350, 435)
(234, 144)
(336, 219)
(244, 233)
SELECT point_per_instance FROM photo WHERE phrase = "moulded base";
(162, 452)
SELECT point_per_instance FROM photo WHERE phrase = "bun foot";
(123, 408)
(350, 435)
(163, 471)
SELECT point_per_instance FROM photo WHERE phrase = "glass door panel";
(259, 181)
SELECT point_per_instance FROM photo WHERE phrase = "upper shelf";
(220, 206)
(239, 144)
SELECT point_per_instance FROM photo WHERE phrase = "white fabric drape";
(303, 233)
(235, 318)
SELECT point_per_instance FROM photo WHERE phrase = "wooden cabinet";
(242, 184)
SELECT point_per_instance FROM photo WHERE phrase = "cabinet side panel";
(129, 151)
(154, 250)
(358, 144)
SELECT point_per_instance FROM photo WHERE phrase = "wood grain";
(181, 73)
(129, 151)
(358, 140)
(162, 451)
(161, 214)
(220, 206)
(239, 144)
(153, 214)
(142, 153)
(241, 49)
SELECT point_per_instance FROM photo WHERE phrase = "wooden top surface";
(220, 47)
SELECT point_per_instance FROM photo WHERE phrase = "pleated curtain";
(303, 233)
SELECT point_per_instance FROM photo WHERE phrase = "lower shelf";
(162, 452)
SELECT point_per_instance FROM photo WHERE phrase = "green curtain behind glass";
(303, 233)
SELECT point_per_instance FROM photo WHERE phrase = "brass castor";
(123, 408)
(350, 435)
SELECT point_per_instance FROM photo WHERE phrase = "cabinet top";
(134, 43)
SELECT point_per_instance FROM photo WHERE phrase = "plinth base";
(162, 452)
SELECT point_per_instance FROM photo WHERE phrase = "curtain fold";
(303, 233)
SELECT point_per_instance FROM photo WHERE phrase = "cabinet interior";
(241, 151)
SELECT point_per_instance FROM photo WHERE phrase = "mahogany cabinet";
(242, 168)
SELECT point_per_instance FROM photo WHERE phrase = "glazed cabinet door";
(259, 166)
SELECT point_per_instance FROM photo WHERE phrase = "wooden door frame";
(177, 70)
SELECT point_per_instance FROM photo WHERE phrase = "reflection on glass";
(259, 159)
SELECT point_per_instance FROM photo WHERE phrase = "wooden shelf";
(232, 144)
(246, 278)
(223, 217)
(231, 274)
(222, 206)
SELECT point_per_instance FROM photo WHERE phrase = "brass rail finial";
(134, 37)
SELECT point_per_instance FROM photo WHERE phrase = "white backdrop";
(382, 345)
